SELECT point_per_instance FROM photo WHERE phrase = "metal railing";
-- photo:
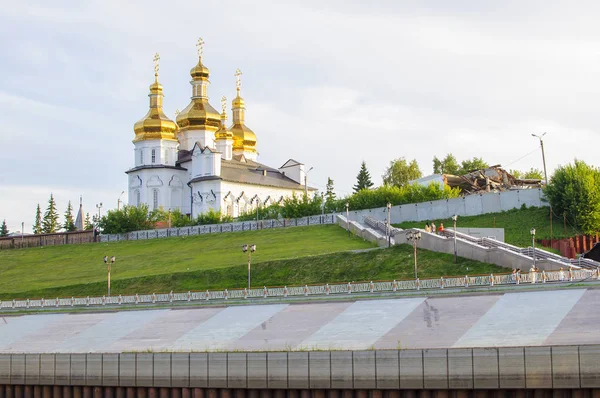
(220, 228)
(349, 288)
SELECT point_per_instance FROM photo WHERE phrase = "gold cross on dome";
(200, 47)
(156, 59)
(238, 79)
(223, 104)
(177, 112)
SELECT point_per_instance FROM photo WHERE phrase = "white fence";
(304, 291)
(218, 228)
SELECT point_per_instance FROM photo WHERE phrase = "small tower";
(155, 134)
(155, 151)
(199, 121)
(244, 139)
(223, 136)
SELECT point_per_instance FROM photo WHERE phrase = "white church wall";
(165, 152)
(236, 197)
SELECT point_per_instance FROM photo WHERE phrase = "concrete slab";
(362, 324)
(581, 324)
(289, 327)
(162, 331)
(521, 319)
(103, 334)
(225, 327)
(437, 322)
(15, 328)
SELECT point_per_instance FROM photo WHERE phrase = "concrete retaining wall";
(478, 368)
(471, 205)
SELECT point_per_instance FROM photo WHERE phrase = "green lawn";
(379, 264)
(36, 269)
(516, 223)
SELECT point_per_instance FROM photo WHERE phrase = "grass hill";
(516, 223)
(292, 256)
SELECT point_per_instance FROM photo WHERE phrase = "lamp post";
(388, 228)
(348, 218)
(306, 181)
(532, 232)
(22, 232)
(108, 264)
(249, 249)
(454, 218)
(119, 201)
(414, 236)
(99, 206)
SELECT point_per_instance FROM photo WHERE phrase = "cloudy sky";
(329, 83)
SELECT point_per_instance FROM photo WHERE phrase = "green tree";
(50, 222)
(4, 229)
(363, 179)
(448, 165)
(467, 166)
(69, 224)
(574, 189)
(178, 219)
(532, 174)
(329, 196)
(516, 173)
(88, 226)
(400, 172)
(37, 225)
(126, 219)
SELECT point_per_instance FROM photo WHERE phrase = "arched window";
(138, 198)
(155, 199)
(153, 156)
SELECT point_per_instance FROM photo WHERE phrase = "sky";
(329, 83)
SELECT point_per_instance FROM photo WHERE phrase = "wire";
(522, 157)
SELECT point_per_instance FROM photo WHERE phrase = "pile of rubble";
(491, 179)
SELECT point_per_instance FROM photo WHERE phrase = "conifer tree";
(88, 222)
(363, 179)
(50, 222)
(3, 229)
(329, 195)
(37, 225)
(69, 224)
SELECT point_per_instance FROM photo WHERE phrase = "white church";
(198, 163)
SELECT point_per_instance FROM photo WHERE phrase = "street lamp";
(99, 206)
(249, 249)
(119, 201)
(532, 232)
(454, 218)
(414, 236)
(388, 228)
(108, 264)
(348, 218)
(306, 181)
(543, 155)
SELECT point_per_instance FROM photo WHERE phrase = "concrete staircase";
(481, 249)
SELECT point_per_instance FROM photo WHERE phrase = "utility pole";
(545, 176)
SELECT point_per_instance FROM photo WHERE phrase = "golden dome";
(199, 71)
(199, 114)
(155, 125)
(243, 138)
